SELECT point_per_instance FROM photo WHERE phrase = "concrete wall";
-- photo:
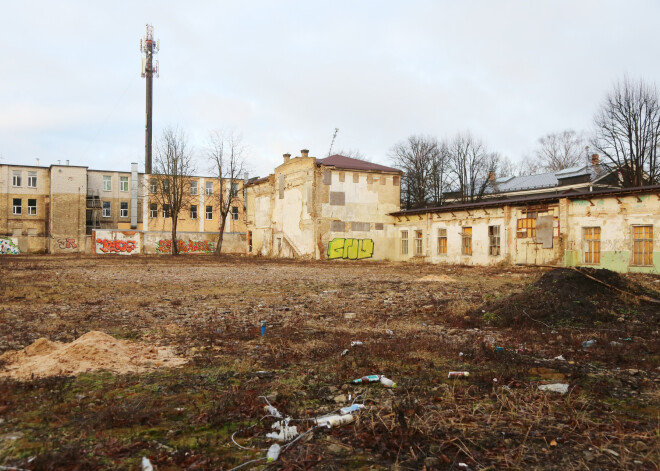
(67, 222)
(129, 242)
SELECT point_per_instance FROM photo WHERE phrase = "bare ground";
(417, 322)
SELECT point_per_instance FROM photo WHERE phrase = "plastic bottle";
(366, 379)
(335, 420)
(388, 383)
(356, 343)
(146, 464)
(351, 409)
(588, 343)
(263, 328)
(458, 374)
(273, 453)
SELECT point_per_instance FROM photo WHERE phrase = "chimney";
(286, 157)
(304, 153)
(491, 176)
(595, 160)
(67, 162)
(37, 162)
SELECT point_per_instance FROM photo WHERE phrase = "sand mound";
(92, 351)
(441, 278)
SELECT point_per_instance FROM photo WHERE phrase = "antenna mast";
(149, 47)
(333, 141)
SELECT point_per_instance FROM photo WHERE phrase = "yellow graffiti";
(351, 249)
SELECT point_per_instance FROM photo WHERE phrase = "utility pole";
(149, 47)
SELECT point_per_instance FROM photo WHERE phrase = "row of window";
(165, 211)
(153, 187)
(17, 207)
(107, 183)
(17, 179)
(441, 247)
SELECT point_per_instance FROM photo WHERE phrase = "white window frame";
(193, 188)
(106, 205)
(107, 183)
(32, 180)
(17, 209)
(123, 212)
(153, 185)
(209, 188)
(442, 235)
(16, 179)
(209, 213)
(167, 212)
(494, 240)
(419, 243)
(122, 181)
(32, 209)
(153, 212)
(234, 214)
(193, 211)
(404, 242)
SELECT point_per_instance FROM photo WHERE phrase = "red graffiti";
(67, 243)
(114, 246)
(165, 246)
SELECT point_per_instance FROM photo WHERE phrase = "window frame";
(165, 185)
(32, 208)
(466, 241)
(442, 241)
(166, 211)
(404, 242)
(107, 182)
(104, 207)
(123, 180)
(153, 210)
(32, 180)
(234, 190)
(494, 240)
(17, 178)
(17, 209)
(646, 242)
(123, 212)
(209, 212)
(234, 213)
(208, 191)
(193, 211)
(591, 245)
(153, 185)
(193, 187)
(419, 243)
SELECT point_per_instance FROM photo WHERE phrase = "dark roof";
(349, 163)
(520, 200)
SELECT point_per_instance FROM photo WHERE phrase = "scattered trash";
(388, 383)
(146, 464)
(553, 442)
(458, 374)
(366, 379)
(285, 433)
(272, 411)
(263, 328)
(560, 388)
(349, 315)
(351, 409)
(611, 452)
(356, 343)
(344, 353)
(461, 354)
(626, 339)
(335, 420)
(494, 380)
(389, 332)
(589, 343)
(614, 343)
(499, 349)
(560, 358)
(273, 453)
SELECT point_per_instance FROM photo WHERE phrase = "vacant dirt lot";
(511, 328)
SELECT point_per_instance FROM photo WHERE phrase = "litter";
(344, 353)
(273, 453)
(286, 432)
(560, 388)
(614, 343)
(560, 358)
(349, 315)
(366, 379)
(263, 328)
(334, 420)
(356, 343)
(588, 343)
(146, 464)
(458, 374)
(351, 409)
(388, 383)
(389, 332)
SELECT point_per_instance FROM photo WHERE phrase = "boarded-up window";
(442, 241)
(370, 179)
(327, 177)
(527, 226)
(544, 230)
(342, 176)
(591, 237)
(466, 237)
(419, 243)
(337, 226)
(337, 198)
(360, 226)
(281, 186)
(494, 240)
(396, 180)
(404, 242)
(356, 177)
(642, 245)
(378, 226)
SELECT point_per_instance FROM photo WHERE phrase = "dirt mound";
(92, 351)
(567, 297)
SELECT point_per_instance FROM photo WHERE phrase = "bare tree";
(627, 131)
(561, 150)
(173, 169)
(227, 156)
(506, 168)
(529, 165)
(415, 156)
(439, 175)
(353, 153)
(471, 165)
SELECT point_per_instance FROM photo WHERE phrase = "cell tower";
(149, 47)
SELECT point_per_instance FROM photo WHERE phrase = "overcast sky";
(285, 74)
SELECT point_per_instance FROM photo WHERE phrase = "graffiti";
(67, 243)
(189, 246)
(7, 247)
(116, 246)
(351, 249)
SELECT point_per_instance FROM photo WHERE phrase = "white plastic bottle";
(388, 383)
(273, 453)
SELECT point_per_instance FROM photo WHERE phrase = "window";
(166, 186)
(234, 213)
(642, 245)
(209, 212)
(494, 240)
(527, 225)
(249, 241)
(107, 183)
(153, 185)
(193, 211)
(234, 190)
(166, 210)
(32, 179)
(209, 188)
(466, 245)
(32, 207)
(442, 241)
(193, 188)
(17, 206)
(123, 183)
(16, 179)
(123, 209)
(591, 238)
(106, 209)
(418, 243)
(153, 210)
(404, 242)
